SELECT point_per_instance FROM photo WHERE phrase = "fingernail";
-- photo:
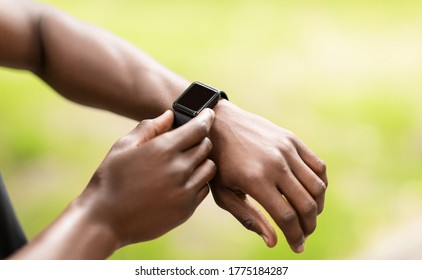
(301, 248)
(211, 112)
(266, 240)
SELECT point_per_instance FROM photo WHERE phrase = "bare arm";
(84, 63)
(91, 66)
(75, 234)
(144, 187)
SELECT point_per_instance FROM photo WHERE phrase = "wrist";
(156, 94)
(73, 235)
(92, 236)
(224, 112)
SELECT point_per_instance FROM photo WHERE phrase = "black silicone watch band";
(180, 119)
(224, 95)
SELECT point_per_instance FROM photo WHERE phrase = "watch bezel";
(209, 104)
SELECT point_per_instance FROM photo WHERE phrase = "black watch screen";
(193, 100)
(196, 97)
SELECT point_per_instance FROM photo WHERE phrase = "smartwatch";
(193, 100)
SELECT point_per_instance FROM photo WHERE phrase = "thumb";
(244, 211)
(148, 129)
(163, 123)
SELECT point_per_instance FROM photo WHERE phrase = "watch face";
(196, 97)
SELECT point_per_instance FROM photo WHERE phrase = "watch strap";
(223, 95)
(180, 119)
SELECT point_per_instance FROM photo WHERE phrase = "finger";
(194, 131)
(164, 122)
(148, 129)
(201, 176)
(202, 194)
(313, 184)
(244, 211)
(314, 162)
(283, 214)
(197, 154)
(301, 201)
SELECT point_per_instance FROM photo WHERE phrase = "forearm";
(93, 67)
(74, 235)
(84, 63)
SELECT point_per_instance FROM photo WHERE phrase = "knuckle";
(288, 218)
(163, 143)
(208, 145)
(289, 139)
(290, 135)
(247, 223)
(211, 166)
(310, 209)
(227, 199)
(319, 188)
(179, 171)
(321, 167)
(249, 176)
(122, 142)
(157, 147)
(202, 128)
(144, 124)
(185, 169)
(254, 175)
(320, 208)
(286, 147)
(284, 168)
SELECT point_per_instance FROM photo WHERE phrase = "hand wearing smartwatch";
(254, 157)
(193, 100)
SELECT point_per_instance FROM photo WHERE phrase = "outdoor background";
(344, 76)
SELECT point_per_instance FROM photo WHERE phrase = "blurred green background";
(344, 76)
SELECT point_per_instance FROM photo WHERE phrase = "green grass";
(343, 75)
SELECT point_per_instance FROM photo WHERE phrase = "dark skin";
(92, 67)
(128, 201)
